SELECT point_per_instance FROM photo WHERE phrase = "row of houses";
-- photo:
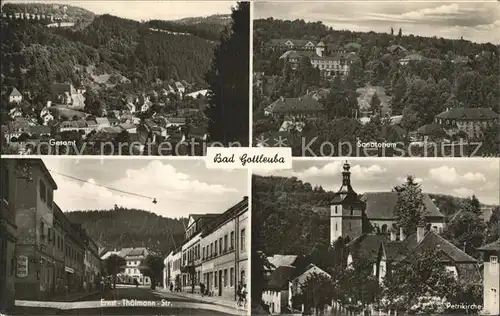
(368, 222)
(214, 253)
(43, 254)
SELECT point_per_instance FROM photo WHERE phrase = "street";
(126, 301)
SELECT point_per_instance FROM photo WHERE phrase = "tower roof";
(346, 193)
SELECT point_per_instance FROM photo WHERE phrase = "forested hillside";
(67, 12)
(33, 54)
(283, 220)
(286, 219)
(122, 227)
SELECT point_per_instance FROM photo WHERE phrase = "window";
(352, 211)
(225, 277)
(42, 191)
(211, 249)
(493, 259)
(42, 229)
(225, 243)
(336, 209)
(215, 279)
(50, 198)
(242, 238)
(5, 183)
(49, 235)
(216, 247)
(231, 277)
(203, 254)
(232, 240)
(220, 245)
(336, 226)
(242, 279)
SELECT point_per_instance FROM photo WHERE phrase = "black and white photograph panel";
(372, 237)
(371, 78)
(123, 237)
(124, 77)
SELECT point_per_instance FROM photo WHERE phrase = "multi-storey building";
(8, 238)
(134, 259)
(225, 252)
(49, 252)
(491, 278)
(471, 121)
(215, 254)
(330, 62)
(172, 270)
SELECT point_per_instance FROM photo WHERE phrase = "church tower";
(346, 210)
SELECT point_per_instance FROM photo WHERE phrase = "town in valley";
(76, 82)
(340, 83)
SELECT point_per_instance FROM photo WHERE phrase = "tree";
(416, 283)
(114, 265)
(466, 231)
(410, 207)
(493, 232)
(92, 103)
(375, 104)
(316, 292)
(229, 81)
(153, 267)
(400, 33)
(260, 265)
(356, 287)
(472, 205)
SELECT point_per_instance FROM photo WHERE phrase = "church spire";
(346, 175)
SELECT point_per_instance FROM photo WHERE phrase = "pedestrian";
(202, 289)
(171, 287)
(244, 294)
(238, 292)
(136, 283)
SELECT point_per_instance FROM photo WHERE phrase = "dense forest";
(289, 217)
(451, 73)
(122, 227)
(34, 56)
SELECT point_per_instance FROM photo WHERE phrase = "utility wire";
(102, 186)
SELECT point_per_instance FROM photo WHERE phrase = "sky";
(146, 10)
(181, 187)
(457, 177)
(478, 21)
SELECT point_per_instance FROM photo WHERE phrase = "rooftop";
(468, 114)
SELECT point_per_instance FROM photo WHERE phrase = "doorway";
(220, 283)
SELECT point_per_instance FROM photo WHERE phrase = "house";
(180, 88)
(14, 96)
(330, 61)
(397, 49)
(291, 44)
(471, 121)
(175, 121)
(384, 254)
(102, 122)
(66, 94)
(134, 258)
(297, 283)
(280, 260)
(199, 93)
(491, 278)
(411, 58)
(15, 112)
(276, 294)
(307, 108)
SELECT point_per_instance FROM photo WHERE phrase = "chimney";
(401, 234)
(420, 233)
(393, 235)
